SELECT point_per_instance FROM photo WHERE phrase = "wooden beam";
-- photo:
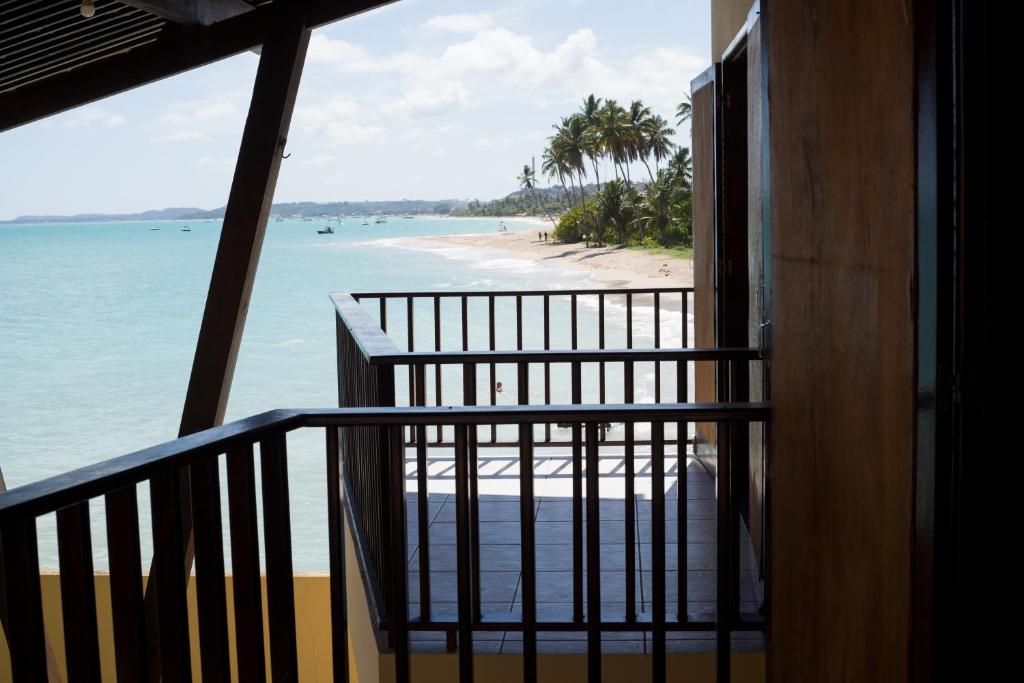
(181, 49)
(245, 221)
(203, 12)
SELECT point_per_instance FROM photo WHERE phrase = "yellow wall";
(727, 16)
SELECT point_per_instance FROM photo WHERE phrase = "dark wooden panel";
(703, 127)
(245, 564)
(23, 601)
(168, 579)
(842, 149)
(78, 593)
(130, 647)
(210, 591)
(277, 534)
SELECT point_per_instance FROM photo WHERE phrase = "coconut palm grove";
(646, 202)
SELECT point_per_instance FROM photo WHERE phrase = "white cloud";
(339, 122)
(218, 114)
(429, 98)
(317, 160)
(498, 142)
(207, 161)
(460, 23)
(484, 64)
(91, 116)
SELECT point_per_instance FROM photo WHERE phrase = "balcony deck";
(500, 551)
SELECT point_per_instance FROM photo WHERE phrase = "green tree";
(658, 141)
(636, 147)
(528, 181)
(555, 167)
(590, 111)
(684, 111)
(653, 215)
(613, 132)
(682, 166)
(615, 209)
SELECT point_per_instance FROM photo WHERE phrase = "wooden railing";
(198, 455)
(370, 363)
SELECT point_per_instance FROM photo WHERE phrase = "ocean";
(98, 324)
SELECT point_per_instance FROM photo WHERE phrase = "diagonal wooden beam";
(177, 50)
(245, 222)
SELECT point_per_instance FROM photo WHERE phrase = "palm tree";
(657, 139)
(570, 144)
(590, 111)
(555, 167)
(684, 110)
(613, 207)
(528, 181)
(681, 166)
(613, 132)
(639, 116)
(655, 207)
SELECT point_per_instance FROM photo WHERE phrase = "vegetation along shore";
(648, 202)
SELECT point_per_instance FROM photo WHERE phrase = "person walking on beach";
(545, 235)
(538, 237)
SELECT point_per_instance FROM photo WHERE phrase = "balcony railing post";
(398, 609)
(658, 549)
(630, 512)
(527, 548)
(336, 548)
(464, 574)
(657, 345)
(437, 366)
(724, 588)
(422, 499)
(577, 500)
(469, 391)
(26, 638)
(593, 555)
(547, 365)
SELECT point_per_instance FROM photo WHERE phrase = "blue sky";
(423, 99)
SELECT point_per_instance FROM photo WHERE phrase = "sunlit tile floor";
(500, 571)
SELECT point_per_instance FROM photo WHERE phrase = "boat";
(154, 228)
(380, 220)
(366, 223)
(186, 229)
(326, 231)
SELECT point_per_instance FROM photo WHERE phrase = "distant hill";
(285, 209)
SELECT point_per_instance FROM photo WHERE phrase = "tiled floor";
(500, 553)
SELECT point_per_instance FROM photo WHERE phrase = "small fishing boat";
(154, 228)
(380, 220)
(326, 231)
(186, 229)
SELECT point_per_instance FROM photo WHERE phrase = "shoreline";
(610, 266)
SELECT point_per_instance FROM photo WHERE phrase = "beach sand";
(611, 266)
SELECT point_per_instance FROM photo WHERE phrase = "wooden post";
(245, 219)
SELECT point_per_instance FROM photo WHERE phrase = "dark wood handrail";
(379, 349)
(450, 293)
(49, 495)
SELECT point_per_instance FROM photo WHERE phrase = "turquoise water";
(99, 323)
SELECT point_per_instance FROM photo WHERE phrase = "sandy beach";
(612, 266)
